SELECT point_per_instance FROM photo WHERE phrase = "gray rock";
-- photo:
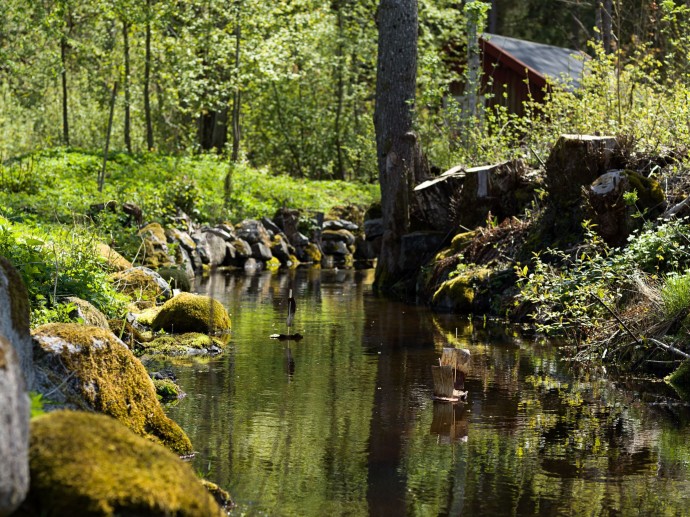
(335, 248)
(253, 232)
(271, 226)
(280, 250)
(261, 252)
(243, 249)
(220, 232)
(216, 247)
(340, 224)
(338, 235)
(373, 228)
(166, 292)
(15, 360)
(227, 228)
(251, 265)
(182, 238)
(89, 314)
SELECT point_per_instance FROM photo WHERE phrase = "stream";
(342, 422)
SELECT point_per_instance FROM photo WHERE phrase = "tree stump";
(449, 376)
(614, 217)
(444, 382)
(576, 161)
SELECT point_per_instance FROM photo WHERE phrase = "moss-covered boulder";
(89, 368)
(189, 343)
(192, 313)
(458, 293)
(141, 283)
(112, 258)
(167, 390)
(87, 313)
(90, 464)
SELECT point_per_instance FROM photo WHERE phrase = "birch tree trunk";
(395, 139)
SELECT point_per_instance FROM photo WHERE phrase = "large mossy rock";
(15, 357)
(88, 464)
(458, 293)
(89, 368)
(192, 313)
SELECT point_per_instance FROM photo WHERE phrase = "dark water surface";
(342, 422)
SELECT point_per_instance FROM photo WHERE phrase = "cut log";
(459, 360)
(503, 189)
(434, 196)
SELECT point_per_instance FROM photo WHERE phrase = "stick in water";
(292, 306)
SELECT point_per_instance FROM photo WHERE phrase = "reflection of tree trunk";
(396, 143)
(147, 79)
(128, 123)
(65, 120)
(398, 371)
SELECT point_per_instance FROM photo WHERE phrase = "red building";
(516, 70)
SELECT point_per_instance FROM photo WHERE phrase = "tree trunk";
(65, 110)
(607, 26)
(147, 79)
(237, 96)
(128, 120)
(395, 139)
(340, 92)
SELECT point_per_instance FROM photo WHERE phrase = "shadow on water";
(342, 421)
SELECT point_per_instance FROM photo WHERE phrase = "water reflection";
(342, 422)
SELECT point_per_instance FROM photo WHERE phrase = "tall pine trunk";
(147, 78)
(128, 120)
(395, 140)
(237, 96)
(65, 100)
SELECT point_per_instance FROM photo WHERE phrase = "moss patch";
(190, 343)
(90, 464)
(96, 371)
(313, 252)
(458, 293)
(192, 313)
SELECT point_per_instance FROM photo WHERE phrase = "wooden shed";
(515, 70)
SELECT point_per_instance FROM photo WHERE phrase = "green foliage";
(57, 262)
(675, 294)
(36, 404)
(572, 293)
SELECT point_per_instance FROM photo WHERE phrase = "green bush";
(675, 294)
